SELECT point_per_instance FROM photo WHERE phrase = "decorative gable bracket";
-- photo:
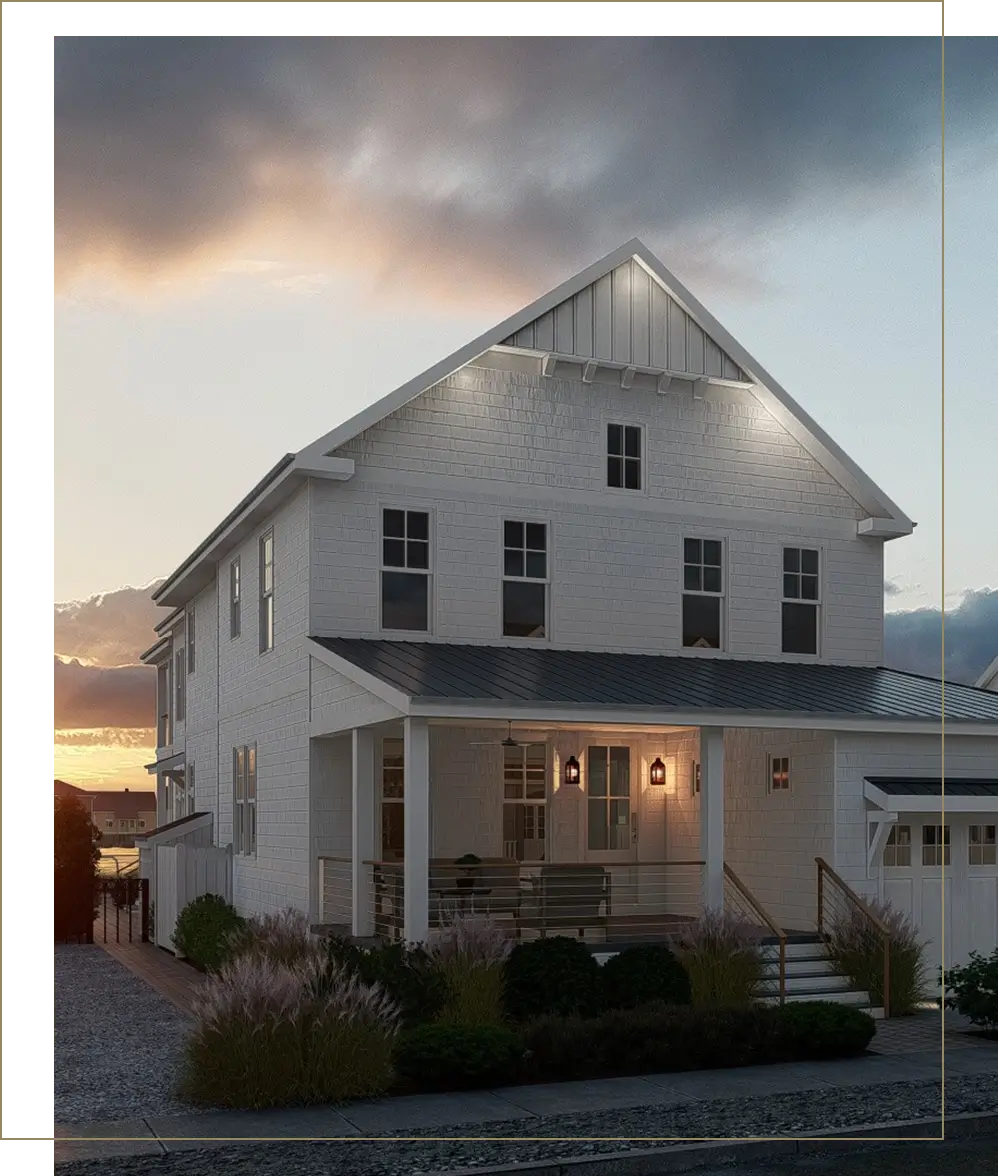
(879, 825)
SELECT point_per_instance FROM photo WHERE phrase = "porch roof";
(429, 672)
(933, 786)
(924, 794)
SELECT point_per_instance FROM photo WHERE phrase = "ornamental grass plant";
(723, 959)
(857, 948)
(470, 952)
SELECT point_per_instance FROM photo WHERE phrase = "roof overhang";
(156, 653)
(911, 796)
(169, 765)
(178, 828)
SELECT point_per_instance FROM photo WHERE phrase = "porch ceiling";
(557, 682)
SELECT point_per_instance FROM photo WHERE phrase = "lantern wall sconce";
(657, 775)
(571, 770)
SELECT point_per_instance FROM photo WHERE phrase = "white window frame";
(779, 762)
(625, 423)
(235, 599)
(894, 847)
(244, 789)
(268, 618)
(817, 602)
(406, 570)
(522, 801)
(190, 636)
(189, 788)
(525, 579)
(180, 685)
(721, 596)
(944, 844)
(695, 777)
(987, 854)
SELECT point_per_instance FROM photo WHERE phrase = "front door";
(611, 805)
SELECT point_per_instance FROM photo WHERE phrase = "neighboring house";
(64, 790)
(989, 679)
(122, 815)
(592, 593)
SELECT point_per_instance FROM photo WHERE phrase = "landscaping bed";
(287, 1020)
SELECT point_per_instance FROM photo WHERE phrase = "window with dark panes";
(703, 590)
(267, 592)
(405, 570)
(235, 599)
(623, 457)
(392, 800)
(801, 599)
(935, 845)
(524, 585)
(981, 849)
(524, 810)
(897, 849)
(608, 791)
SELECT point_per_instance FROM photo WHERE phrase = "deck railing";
(336, 892)
(742, 902)
(839, 906)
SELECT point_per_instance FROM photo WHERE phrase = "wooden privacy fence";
(184, 873)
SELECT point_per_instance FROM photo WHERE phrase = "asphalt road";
(978, 1156)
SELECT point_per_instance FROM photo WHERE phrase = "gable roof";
(883, 511)
(886, 520)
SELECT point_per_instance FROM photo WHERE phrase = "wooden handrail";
(765, 917)
(866, 911)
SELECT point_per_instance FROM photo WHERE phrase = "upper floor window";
(235, 599)
(801, 596)
(524, 585)
(189, 629)
(405, 570)
(779, 773)
(180, 684)
(897, 849)
(267, 591)
(981, 849)
(623, 457)
(703, 589)
(244, 799)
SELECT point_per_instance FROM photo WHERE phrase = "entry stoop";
(811, 975)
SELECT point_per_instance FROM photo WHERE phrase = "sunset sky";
(257, 237)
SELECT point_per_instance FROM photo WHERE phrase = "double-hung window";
(244, 799)
(235, 599)
(703, 592)
(524, 800)
(525, 578)
(180, 685)
(623, 457)
(267, 592)
(801, 597)
(189, 629)
(405, 570)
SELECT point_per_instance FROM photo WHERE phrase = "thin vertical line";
(942, 561)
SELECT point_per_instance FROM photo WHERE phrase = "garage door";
(945, 876)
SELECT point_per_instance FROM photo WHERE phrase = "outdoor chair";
(570, 896)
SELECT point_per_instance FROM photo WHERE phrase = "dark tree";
(77, 854)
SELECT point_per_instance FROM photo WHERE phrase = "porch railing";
(841, 908)
(740, 901)
(335, 892)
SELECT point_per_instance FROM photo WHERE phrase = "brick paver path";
(170, 977)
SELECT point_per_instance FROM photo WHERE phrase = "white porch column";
(416, 871)
(363, 844)
(712, 814)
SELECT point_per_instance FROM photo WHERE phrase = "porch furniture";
(495, 888)
(569, 896)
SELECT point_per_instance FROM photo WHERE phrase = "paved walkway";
(903, 1056)
(170, 977)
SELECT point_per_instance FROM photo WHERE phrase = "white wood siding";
(626, 317)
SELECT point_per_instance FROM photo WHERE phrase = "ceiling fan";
(509, 741)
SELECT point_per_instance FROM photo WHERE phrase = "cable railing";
(740, 901)
(841, 911)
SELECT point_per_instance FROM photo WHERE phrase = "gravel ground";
(117, 1041)
(788, 1114)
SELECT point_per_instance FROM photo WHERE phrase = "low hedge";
(640, 975)
(557, 976)
(450, 1055)
(406, 973)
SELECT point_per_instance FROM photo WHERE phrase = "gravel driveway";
(117, 1041)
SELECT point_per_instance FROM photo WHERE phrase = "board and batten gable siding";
(487, 445)
(264, 699)
(626, 317)
(859, 756)
(771, 839)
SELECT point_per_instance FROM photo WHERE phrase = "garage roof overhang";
(915, 794)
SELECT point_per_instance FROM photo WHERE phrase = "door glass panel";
(608, 781)
(596, 776)
(599, 834)
(620, 771)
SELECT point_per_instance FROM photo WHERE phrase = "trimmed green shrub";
(448, 1055)
(722, 958)
(470, 953)
(815, 1029)
(552, 976)
(858, 950)
(639, 975)
(203, 931)
(268, 1034)
(404, 972)
(975, 990)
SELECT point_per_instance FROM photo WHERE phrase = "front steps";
(811, 975)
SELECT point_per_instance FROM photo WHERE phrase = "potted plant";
(467, 870)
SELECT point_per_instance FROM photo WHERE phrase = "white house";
(594, 600)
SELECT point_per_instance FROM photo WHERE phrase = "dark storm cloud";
(913, 640)
(86, 696)
(511, 154)
(109, 629)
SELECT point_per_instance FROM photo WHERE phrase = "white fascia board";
(377, 411)
(156, 653)
(899, 803)
(169, 621)
(557, 713)
(337, 469)
(777, 400)
(370, 682)
(988, 679)
(876, 528)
